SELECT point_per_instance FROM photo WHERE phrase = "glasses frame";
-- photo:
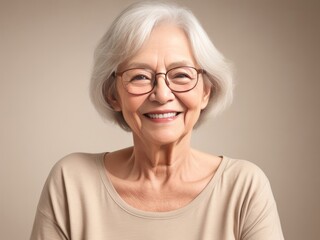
(120, 74)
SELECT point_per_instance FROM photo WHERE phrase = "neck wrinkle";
(160, 162)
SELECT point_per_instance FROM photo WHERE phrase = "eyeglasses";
(140, 81)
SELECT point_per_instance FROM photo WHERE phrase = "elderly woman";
(156, 74)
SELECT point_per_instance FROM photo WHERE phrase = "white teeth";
(162, 115)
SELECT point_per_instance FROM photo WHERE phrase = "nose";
(161, 92)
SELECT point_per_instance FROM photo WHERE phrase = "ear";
(114, 103)
(206, 95)
(113, 100)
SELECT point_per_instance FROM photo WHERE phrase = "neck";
(161, 161)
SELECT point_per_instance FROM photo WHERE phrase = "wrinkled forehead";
(167, 45)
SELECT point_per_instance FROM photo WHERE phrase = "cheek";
(192, 108)
(130, 106)
(193, 100)
(191, 103)
(128, 103)
(194, 103)
(130, 111)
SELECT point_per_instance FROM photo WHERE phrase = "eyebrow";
(181, 64)
(139, 65)
(170, 66)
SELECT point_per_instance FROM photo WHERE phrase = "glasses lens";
(138, 81)
(141, 81)
(182, 78)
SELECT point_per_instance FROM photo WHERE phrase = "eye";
(137, 76)
(140, 77)
(181, 75)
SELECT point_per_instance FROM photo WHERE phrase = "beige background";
(46, 51)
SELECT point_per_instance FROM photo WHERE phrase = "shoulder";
(247, 185)
(77, 161)
(71, 175)
(76, 166)
(243, 168)
(251, 194)
(244, 173)
(67, 185)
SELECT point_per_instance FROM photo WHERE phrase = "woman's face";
(162, 116)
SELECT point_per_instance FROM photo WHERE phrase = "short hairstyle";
(126, 36)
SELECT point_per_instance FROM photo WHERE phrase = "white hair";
(125, 37)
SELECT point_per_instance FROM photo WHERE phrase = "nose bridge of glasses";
(165, 78)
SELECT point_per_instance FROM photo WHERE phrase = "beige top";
(79, 202)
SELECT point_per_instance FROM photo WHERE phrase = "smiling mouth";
(162, 115)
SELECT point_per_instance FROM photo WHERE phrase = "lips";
(162, 115)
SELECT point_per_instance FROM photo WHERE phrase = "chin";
(165, 137)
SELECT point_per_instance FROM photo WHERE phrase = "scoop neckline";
(158, 215)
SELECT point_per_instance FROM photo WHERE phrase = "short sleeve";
(259, 213)
(46, 228)
(51, 220)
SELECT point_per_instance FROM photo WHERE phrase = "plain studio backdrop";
(46, 49)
